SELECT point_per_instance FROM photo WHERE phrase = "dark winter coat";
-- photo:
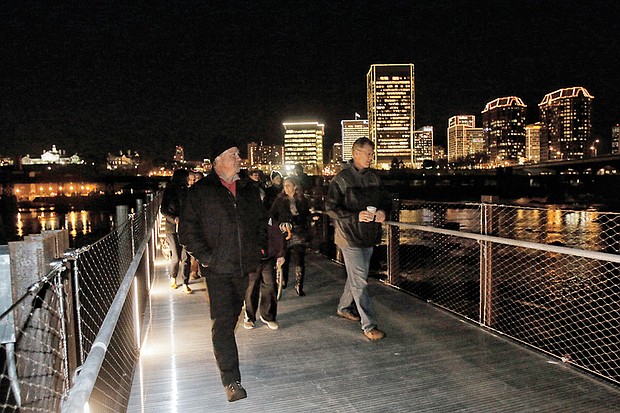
(350, 192)
(226, 233)
(171, 204)
(281, 212)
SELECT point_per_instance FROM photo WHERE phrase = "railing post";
(393, 240)
(486, 253)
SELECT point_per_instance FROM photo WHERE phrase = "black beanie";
(221, 144)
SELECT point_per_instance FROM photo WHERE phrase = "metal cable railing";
(545, 277)
(73, 339)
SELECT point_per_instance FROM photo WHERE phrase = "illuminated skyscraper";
(615, 139)
(464, 139)
(534, 152)
(503, 122)
(267, 157)
(351, 131)
(303, 143)
(566, 115)
(422, 145)
(179, 155)
(391, 112)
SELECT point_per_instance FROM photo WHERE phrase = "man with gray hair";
(357, 202)
(224, 226)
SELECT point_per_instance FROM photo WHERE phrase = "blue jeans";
(357, 263)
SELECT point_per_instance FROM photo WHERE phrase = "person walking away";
(172, 200)
(260, 297)
(224, 226)
(357, 203)
(291, 213)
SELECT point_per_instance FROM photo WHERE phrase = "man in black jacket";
(357, 202)
(224, 226)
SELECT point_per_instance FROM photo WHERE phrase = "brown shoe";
(374, 334)
(348, 315)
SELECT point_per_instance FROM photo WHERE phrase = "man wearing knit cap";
(224, 226)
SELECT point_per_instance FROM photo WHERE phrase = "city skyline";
(96, 79)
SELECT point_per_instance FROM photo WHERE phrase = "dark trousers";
(179, 262)
(295, 258)
(262, 287)
(226, 301)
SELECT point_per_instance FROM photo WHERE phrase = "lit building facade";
(566, 115)
(503, 122)
(391, 112)
(422, 145)
(351, 131)
(122, 161)
(303, 144)
(336, 152)
(464, 139)
(267, 157)
(179, 155)
(615, 139)
(53, 156)
(533, 150)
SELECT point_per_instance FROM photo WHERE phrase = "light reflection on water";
(79, 224)
(589, 230)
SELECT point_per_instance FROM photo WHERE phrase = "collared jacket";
(351, 191)
(226, 233)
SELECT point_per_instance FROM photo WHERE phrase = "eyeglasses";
(369, 154)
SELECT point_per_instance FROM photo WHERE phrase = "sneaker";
(248, 324)
(273, 325)
(374, 334)
(235, 391)
(348, 315)
(186, 289)
(173, 283)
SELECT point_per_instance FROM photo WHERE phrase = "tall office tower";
(303, 144)
(336, 155)
(267, 157)
(422, 145)
(464, 138)
(566, 115)
(352, 130)
(391, 112)
(615, 139)
(533, 150)
(503, 122)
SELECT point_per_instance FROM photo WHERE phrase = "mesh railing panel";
(33, 377)
(564, 304)
(52, 329)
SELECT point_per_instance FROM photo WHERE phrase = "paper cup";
(371, 209)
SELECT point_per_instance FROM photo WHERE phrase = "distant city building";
(615, 139)
(6, 161)
(422, 145)
(337, 152)
(503, 123)
(566, 115)
(53, 156)
(352, 130)
(179, 155)
(269, 156)
(439, 152)
(464, 139)
(391, 112)
(534, 153)
(303, 144)
(122, 161)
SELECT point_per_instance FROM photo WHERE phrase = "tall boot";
(299, 281)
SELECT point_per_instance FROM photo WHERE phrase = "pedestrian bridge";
(507, 309)
(431, 360)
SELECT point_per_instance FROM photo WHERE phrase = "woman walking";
(290, 211)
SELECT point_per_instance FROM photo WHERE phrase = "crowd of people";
(237, 231)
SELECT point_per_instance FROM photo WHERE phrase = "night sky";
(97, 77)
